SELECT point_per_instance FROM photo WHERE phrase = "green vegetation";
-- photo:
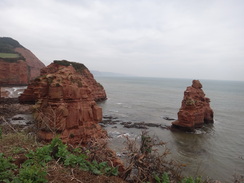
(147, 165)
(34, 168)
(7, 52)
(163, 179)
(7, 44)
(166, 179)
(6, 168)
(192, 180)
(78, 66)
(9, 55)
(190, 102)
(22, 159)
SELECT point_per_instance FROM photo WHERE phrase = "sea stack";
(195, 108)
(64, 96)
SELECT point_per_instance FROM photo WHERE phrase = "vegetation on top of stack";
(79, 67)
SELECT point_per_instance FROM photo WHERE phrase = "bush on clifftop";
(78, 66)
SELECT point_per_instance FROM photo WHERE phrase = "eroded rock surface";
(195, 109)
(19, 69)
(65, 103)
(80, 77)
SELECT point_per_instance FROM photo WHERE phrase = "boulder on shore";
(195, 108)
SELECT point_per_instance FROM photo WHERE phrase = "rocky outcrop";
(195, 109)
(18, 65)
(65, 103)
(82, 77)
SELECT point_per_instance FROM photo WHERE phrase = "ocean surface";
(215, 151)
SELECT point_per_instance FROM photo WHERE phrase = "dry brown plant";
(49, 119)
(145, 160)
(99, 151)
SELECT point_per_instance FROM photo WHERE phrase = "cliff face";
(33, 63)
(13, 73)
(18, 65)
(65, 103)
(195, 108)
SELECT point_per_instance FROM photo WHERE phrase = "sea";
(215, 151)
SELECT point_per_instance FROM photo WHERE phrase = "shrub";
(77, 66)
(147, 164)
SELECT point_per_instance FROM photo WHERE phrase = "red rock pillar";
(195, 108)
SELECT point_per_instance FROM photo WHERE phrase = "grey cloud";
(146, 37)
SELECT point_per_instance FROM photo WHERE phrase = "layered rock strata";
(18, 65)
(65, 103)
(195, 108)
(97, 92)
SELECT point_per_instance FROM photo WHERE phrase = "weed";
(102, 168)
(40, 156)
(192, 180)
(163, 179)
(59, 151)
(190, 102)
(6, 168)
(18, 150)
(77, 150)
(34, 173)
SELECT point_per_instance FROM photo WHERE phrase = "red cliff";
(65, 103)
(195, 108)
(18, 65)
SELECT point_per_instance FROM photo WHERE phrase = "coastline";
(135, 112)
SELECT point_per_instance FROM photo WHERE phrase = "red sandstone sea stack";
(195, 109)
(65, 95)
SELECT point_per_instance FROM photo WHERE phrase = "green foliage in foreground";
(34, 169)
(6, 168)
(34, 173)
(164, 178)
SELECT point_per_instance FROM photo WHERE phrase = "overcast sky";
(197, 39)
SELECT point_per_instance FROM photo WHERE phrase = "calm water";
(216, 151)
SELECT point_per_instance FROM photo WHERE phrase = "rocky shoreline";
(110, 120)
